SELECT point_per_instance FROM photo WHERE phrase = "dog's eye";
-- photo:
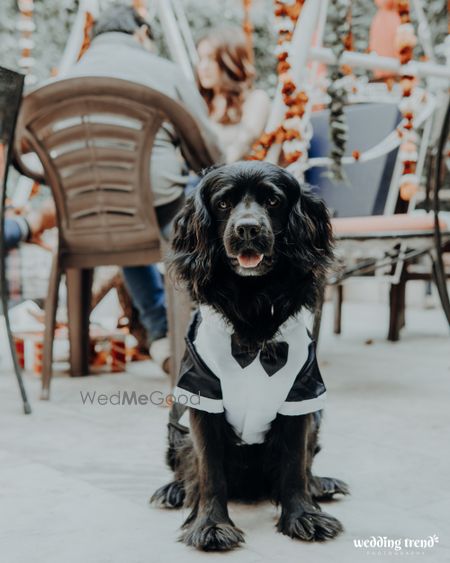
(272, 201)
(223, 204)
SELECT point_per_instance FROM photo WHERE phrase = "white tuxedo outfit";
(250, 387)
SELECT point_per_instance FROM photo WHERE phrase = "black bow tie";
(273, 355)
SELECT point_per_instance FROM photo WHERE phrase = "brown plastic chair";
(94, 138)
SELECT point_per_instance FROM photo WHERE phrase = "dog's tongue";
(249, 259)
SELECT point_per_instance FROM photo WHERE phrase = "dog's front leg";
(209, 527)
(301, 517)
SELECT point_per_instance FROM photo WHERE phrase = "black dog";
(254, 247)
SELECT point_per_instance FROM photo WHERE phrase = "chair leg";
(440, 279)
(179, 311)
(51, 306)
(79, 292)
(12, 347)
(396, 310)
(318, 317)
(338, 297)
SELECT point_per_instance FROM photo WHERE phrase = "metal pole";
(174, 38)
(73, 45)
(423, 30)
(319, 38)
(183, 24)
(375, 62)
(12, 85)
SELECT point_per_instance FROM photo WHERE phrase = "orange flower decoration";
(294, 100)
(291, 157)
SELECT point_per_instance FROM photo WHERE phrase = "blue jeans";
(12, 234)
(146, 288)
(144, 283)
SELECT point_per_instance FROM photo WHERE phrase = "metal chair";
(94, 138)
(391, 241)
(11, 87)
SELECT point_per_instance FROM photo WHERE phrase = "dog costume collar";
(250, 387)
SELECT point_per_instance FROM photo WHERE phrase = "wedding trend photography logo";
(383, 545)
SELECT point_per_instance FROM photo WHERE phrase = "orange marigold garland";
(26, 26)
(87, 33)
(405, 41)
(348, 42)
(288, 134)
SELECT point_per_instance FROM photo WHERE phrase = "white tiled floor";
(75, 479)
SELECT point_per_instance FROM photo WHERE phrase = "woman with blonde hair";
(225, 75)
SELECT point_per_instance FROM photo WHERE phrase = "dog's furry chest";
(250, 387)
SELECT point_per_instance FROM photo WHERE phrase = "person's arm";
(196, 106)
(254, 119)
(29, 228)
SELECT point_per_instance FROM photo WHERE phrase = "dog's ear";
(193, 244)
(309, 222)
(309, 240)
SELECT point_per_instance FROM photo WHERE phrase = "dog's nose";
(247, 229)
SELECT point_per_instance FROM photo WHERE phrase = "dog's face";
(249, 213)
(250, 219)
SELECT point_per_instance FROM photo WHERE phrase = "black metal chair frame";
(393, 256)
(11, 89)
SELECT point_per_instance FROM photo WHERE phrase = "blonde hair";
(237, 71)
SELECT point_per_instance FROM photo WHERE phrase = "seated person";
(225, 75)
(238, 114)
(122, 48)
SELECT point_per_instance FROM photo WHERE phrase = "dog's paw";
(210, 536)
(324, 488)
(309, 525)
(170, 496)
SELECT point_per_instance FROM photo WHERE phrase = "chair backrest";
(94, 138)
(367, 192)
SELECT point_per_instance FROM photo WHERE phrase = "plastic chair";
(94, 138)
(11, 87)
